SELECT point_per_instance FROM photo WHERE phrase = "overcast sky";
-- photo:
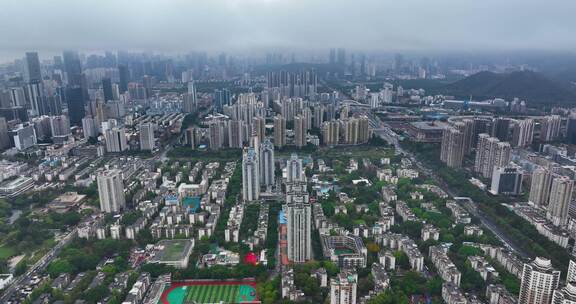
(226, 25)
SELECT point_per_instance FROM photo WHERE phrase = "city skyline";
(288, 151)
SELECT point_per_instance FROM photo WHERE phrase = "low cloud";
(228, 25)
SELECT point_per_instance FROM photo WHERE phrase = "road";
(386, 133)
(512, 245)
(38, 267)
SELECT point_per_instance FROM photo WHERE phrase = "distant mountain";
(530, 86)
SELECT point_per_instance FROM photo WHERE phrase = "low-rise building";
(407, 173)
(452, 294)
(61, 282)
(497, 294)
(484, 268)
(387, 259)
(138, 290)
(446, 269)
(423, 131)
(389, 193)
(397, 241)
(321, 275)
(65, 202)
(288, 288)
(434, 189)
(429, 231)
(473, 230)
(405, 212)
(232, 231)
(13, 187)
(460, 215)
(504, 257)
(173, 252)
(545, 227)
(222, 258)
(381, 278)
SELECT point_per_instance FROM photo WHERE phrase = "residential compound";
(140, 177)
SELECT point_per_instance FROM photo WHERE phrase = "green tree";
(58, 267)
(95, 294)
(20, 268)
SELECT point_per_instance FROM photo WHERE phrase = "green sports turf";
(177, 295)
(207, 294)
(219, 290)
(244, 293)
(343, 251)
(203, 294)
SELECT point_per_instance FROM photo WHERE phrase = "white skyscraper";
(115, 139)
(217, 134)
(452, 148)
(374, 100)
(299, 216)
(267, 163)
(294, 170)
(250, 175)
(571, 275)
(523, 133)
(490, 153)
(566, 295)
(36, 98)
(539, 280)
(300, 131)
(189, 102)
(236, 130)
(466, 127)
(259, 127)
(147, 136)
(560, 198)
(89, 127)
(4, 137)
(550, 128)
(111, 191)
(24, 137)
(279, 131)
(343, 288)
(540, 187)
(387, 92)
(331, 132)
(60, 126)
(318, 116)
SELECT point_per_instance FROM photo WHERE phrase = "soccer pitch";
(209, 292)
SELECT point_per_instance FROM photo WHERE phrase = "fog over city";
(287, 151)
(243, 25)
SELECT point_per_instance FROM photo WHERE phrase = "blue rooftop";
(282, 218)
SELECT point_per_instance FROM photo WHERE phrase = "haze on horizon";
(240, 25)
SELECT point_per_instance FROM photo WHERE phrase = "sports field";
(205, 292)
